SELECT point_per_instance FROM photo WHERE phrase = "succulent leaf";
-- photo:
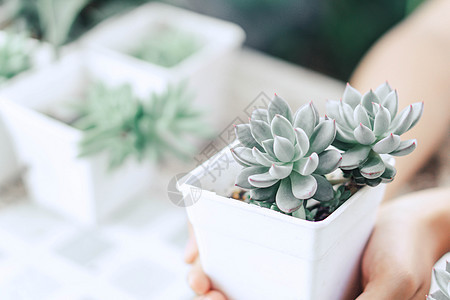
(300, 213)
(360, 116)
(245, 137)
(364, 135)
(262, 180)
(383, 90)
(324, 190)
(264, 193)
(382, 121)
(279, 106)
(306, 118)
(388, 174)
(281, 171)
(367, 100)
(346, 113)
(391, 103)
(375, 108)
(268, 147)
(260, 114)
(302, 141)
(438, 295)
(344, 135)
(280, 126)
(329, 160)
(405, 148)
(387, 145)
(242, 178)
(442, 280)
(260, 130)
(403, 121)
(351, 96)
(322, 136)
(316, 113)
(297, 153)
(262, 158)
(332, 107)
(283, 148)
(417, 114)
(303, 187)
(307, 165)
(244, 155)
(238, 160)
(354, 157)
(373, 167)
(285, 199)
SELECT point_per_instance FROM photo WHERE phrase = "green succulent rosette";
(368, 125)
(286, 156)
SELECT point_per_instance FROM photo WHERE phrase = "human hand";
(409, 237)
(197, 279)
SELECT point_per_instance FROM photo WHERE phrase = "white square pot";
(206, 71)
(80, 188)
(251, 252)
(10, 168)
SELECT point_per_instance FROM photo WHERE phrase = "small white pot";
(251, 252)
(80, 188)
(41, 57)
(205, 71)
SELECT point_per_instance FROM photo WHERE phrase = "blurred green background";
(327, 36)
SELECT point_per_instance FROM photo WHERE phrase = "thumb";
(191, 251)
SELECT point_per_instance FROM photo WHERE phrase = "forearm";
(414, 58)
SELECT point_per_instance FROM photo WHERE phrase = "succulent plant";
(167, 46)
(56, 19)
(443, 282)
(368, 125)
(285, 156)
(114, 120)
(15, 55)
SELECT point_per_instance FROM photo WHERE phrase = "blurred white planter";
(251, 252)
(41, 57)
(206, 70)
(79, 188)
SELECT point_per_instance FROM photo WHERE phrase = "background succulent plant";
(167, 46)
(15, 55)
(285, 156)
(443, 281)
(368, 125)
(117, 122)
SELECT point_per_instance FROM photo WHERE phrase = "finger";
(197, 279)
(212, 295)
(191, 251)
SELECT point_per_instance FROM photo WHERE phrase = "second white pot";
(82, 189)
